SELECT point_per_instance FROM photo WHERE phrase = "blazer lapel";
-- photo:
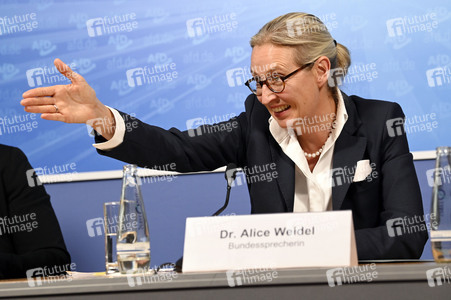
(285, 172)
(348, 149)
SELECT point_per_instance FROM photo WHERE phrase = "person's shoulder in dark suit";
(30, 236)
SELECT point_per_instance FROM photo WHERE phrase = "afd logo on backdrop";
(411, 24)
(237, 54)
(438, 76)
(238, 76)
(8, 71)
(198, 27)
(111, 24)
(45, 47)
(85, 65)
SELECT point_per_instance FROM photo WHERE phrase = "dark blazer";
(394, 193)
(42, 244)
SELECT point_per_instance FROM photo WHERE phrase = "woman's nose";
(267, 95)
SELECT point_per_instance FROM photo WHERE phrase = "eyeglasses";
(275, 83)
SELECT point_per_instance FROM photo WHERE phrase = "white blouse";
(313, 190)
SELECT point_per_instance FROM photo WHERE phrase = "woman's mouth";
(280, 109)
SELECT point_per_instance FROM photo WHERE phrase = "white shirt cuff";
(119, 133)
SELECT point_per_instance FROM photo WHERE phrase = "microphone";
(230, 175)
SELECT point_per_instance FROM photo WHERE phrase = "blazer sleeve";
(42, 244)
(401, 198)
(203, 149)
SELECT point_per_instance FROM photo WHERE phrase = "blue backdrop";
(172, 63)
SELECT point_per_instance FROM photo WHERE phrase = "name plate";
(284, 240)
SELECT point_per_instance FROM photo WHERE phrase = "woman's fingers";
(41, 109)
(37, 101)
(48, 91)
(53, 117)
(67, 71)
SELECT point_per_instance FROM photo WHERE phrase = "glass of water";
(441, 206)
(111, 222)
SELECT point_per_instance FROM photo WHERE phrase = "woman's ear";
(322, 67)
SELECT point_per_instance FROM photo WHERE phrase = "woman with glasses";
(330, 151)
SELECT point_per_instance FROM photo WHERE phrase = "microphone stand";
(230, 178)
